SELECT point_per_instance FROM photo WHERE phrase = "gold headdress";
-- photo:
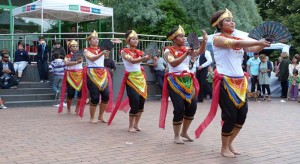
(177, 32)
(226, 14)
(93, 34)
(71, 43)
(131, 35)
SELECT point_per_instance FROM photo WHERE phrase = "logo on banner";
(74, 7)
(96, 11)
(85, 9)
(28, 8)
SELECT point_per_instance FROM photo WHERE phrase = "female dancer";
(180, 84)
(230, 84)
(135, 81)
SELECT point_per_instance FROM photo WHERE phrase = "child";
(20, 60)
(57, 68)
(294, 83)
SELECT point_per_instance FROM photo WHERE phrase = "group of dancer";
(229, 90)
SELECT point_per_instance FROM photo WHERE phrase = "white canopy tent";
(73, 11)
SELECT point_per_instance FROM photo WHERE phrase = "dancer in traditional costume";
(96, 80)
(134, 80)
(180, 84)
(230, 84)
(72, 80)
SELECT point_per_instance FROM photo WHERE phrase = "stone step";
(28, 97)
(33, 103)
(34, 85)
(23, 91)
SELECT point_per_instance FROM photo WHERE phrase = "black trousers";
(231, 115)
(136, 101)
(43, 69)
(254, 81)
(71, 92)
(182, 108)
(95, 93)
(284, 87)
(204, 87)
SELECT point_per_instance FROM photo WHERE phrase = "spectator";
(159, 66)
(245, 59)
(210, 77)
(20, 60)
(294, 83)
(293, 66)
(253, 71)
(283, 74)
(42, 58)
(265, 69)
(204, 60)
(58, 49)
(7, 72)
(57, 68)
(110, 64)
(277, 64)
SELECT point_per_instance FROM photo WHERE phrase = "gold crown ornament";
(93, 34)
(133, 34)
(71, 43)
(180, 30)
(226, 14)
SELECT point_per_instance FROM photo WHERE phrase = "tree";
(286, 12)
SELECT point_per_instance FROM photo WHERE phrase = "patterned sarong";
(182, 86)
(236, 88)
(99, 77)
(74, 78)
(137, 81)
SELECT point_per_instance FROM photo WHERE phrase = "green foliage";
(286, 12)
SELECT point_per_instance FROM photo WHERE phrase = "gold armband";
(127, 57)
(228, 43)
(170, 58)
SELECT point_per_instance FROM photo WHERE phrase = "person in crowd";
(97, 81)
(42, 59)
(180, 84)
(134, 80)
(210, 76)
(268, 59)
(7, 72)
(202, 64)
(57, 67)
(73, 78)
(21, 60)
(277, 64)
(252, 69)
(230, 83)
(294, 65)
(265, 69)
(294, 83)
(109, 64)
(283, 74)
(159, 66)
(58, 49)
(245, 59)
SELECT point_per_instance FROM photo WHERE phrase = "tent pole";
(99, 27)
(11, 28)
(59, 29)
(42, 16)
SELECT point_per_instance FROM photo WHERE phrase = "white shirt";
(208, 58)
(181, 67)
(97, 63)
(130, 67)
(229, 61)
(76, 66)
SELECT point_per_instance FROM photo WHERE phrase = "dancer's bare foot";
(69, 110)
(101, 120)
(227, 153)
(92, 121)
(137, 128)
(233, 150)
(177, 140)
(187, 137)
(132, 130)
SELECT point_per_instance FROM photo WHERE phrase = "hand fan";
(151, 50)
(273, 32)
(106, 45)
(77, 55)
(193, 40)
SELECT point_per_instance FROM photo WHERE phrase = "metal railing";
(30, 40)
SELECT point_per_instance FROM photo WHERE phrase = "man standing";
(253, 70)
(42, 58)
(202, 64)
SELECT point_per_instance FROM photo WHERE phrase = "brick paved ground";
(40, 135)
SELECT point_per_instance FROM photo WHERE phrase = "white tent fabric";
(73, 11)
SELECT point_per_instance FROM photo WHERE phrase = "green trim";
(59, 29)
(9, 2)
(99, 27)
